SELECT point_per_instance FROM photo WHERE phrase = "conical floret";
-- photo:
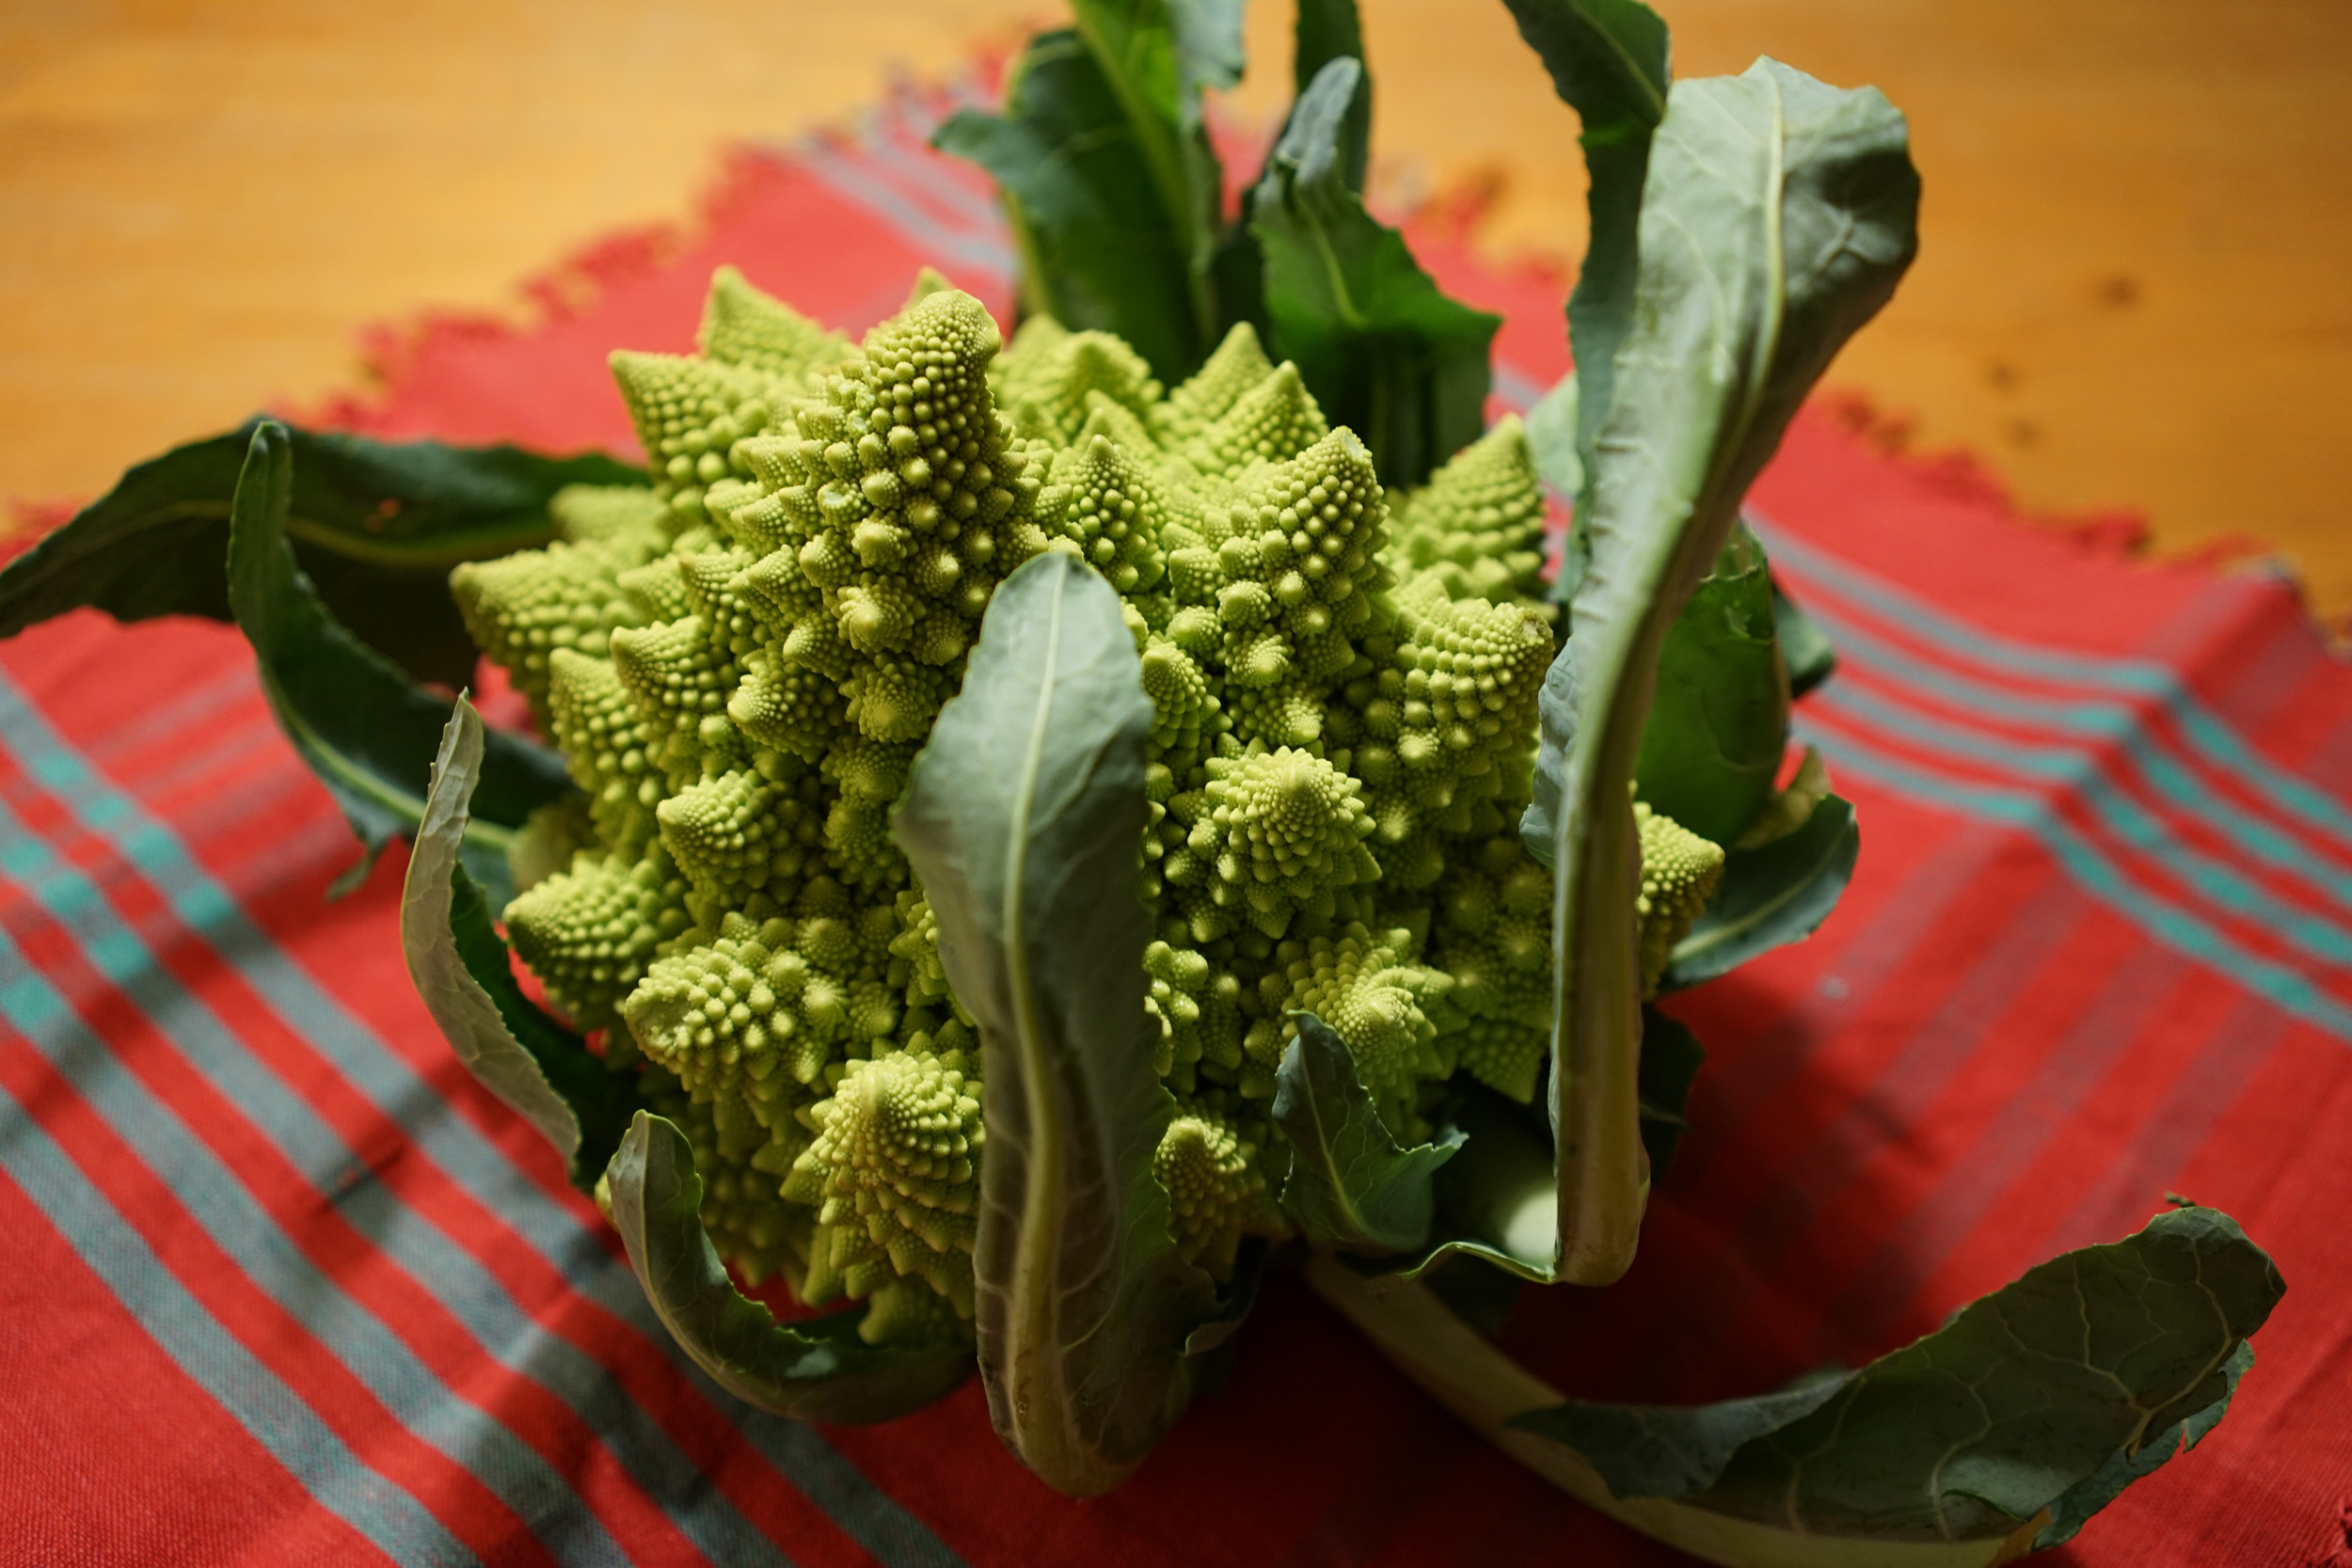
(1679, 871)
(1230, 374)
(743, 326)
(1478, 525)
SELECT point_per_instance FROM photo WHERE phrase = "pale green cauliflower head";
(740, 664)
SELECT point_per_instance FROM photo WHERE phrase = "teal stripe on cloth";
(256, 1398)
(1967, 643)
(339, 1178)
(476, 1165)
(236, 1223)
(2078, 774)
(2117, 723)
(857, 180)
(2288, 989)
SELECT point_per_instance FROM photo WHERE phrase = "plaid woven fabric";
(285, 1287)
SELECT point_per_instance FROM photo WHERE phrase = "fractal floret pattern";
(1679, 870)
(740, 662)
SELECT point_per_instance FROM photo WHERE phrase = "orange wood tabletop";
(2131, 294)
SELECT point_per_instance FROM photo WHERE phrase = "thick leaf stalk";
(1608, 60)
(1778, 215)
(1021, 819)
(1996, 1435)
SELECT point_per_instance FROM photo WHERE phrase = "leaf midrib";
(1033, 1266)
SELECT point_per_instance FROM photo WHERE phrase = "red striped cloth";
(287, 1287)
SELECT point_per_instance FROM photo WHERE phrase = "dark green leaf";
(814, 1371)
(1233, 1302)
(1238, 274)
(1100, 247)
(1157, 56)
(1350, 1185)
(376, 525)
(369, 732)
(1384, 351)
(1671, 1058)
(1777, 216)
(1672, 1451)
(1771, 897)
(1329, 30)
(1719, 724)
(2051, 1392)
(1812, 658)
(1108, 176)
(2074, 1508)
(1022, 819)
(1166, 50)
(460, 967)
(1608, 60)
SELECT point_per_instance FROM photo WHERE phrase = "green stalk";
(1470, 1376)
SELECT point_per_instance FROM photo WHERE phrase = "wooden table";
(2133, 290)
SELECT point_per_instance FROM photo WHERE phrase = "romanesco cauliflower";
(740, 664)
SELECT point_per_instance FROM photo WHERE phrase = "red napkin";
(287, 1287)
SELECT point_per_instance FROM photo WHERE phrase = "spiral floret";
(1377, 1000)
(1479, 524)
(591, 932)
(524, 609)
(1679, 871)
(1209, 1165)
(1230, 374)
(893, 1173)
(1051, 381)
(1273, 835)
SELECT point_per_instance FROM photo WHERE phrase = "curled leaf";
(375, 525)
(814, 1371)
(369, 732)
(459, 964)
(1021, 820)
(1770, 896)
(1350, 1185)
(1777, 217)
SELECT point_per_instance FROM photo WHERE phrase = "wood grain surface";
(2132, 293)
